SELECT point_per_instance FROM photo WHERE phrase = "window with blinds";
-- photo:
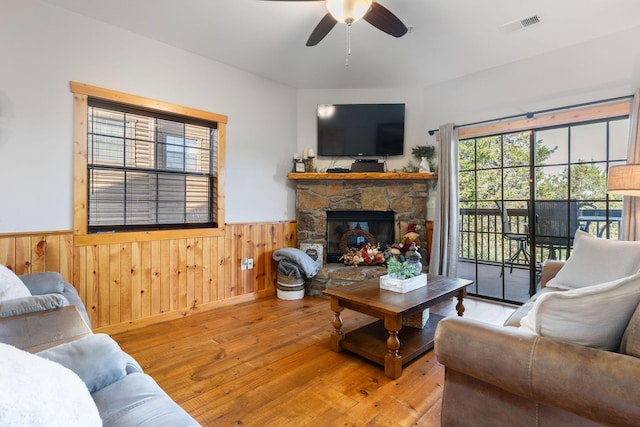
(148, 171)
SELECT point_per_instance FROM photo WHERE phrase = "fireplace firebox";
(353, 229)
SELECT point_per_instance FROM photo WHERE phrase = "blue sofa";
(123, 394)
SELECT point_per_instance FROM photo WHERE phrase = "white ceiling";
(448, 38)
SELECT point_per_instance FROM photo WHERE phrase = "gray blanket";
(296, 262)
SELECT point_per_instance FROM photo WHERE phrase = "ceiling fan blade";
(322, 29)
(381, 18)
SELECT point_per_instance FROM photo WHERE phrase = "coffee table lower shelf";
(370, 341)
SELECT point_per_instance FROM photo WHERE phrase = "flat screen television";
(354, 130)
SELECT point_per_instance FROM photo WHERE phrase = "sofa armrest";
(549, 270)
(34, 303)
(70, 293)
(51, 282)
(97, 359)
(596, 384)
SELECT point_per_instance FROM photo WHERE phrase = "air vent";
(521, 23)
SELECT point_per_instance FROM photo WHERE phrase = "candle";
(306, 153)
(310, 153)
(296, 156)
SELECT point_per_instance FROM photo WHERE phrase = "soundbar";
(338, 170)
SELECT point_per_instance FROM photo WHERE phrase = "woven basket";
(289, 280)
(290, 287)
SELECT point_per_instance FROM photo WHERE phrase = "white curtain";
(444, 249)
(631, 204)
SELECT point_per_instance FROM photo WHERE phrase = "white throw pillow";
(595, 260)
(594, 316)
(38, 392)
(11, 287)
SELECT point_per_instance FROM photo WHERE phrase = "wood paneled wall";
(37, 252)
(147, 281)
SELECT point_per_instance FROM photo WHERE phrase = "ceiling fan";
(350, 11)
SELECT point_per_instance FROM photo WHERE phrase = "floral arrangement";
(369, 254)
(401, 270)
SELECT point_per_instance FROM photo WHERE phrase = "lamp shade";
(348, 11)
(624, 179)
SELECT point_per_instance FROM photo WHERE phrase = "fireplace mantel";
(363, 175)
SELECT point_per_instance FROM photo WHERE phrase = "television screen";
(354, 130)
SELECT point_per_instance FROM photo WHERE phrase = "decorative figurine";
(413, 258)
(424, 165)
(410, 237)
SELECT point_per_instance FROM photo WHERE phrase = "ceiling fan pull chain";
(348, 45)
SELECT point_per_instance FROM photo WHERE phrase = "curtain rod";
(531, 114)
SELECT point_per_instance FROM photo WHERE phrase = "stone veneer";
(314, 197)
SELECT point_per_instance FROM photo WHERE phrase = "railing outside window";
(481, 235)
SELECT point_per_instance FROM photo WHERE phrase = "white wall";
(43, 48)
(599, 69)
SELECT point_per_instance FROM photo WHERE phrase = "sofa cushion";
(631, 339)
(595, 260)
(516, 316)
(31, 304)
(137, 400)
(11, 287)
(38, 392)
(48, 282)
(97, 359)
(594, 316)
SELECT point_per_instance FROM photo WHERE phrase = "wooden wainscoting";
(142, 282)
(37, 252)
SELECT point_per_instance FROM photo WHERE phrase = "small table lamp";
(624, 179)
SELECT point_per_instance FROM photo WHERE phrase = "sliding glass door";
(495, 189)
(523, 195)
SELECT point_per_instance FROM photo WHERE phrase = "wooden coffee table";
(386, 342)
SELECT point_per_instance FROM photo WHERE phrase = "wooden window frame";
(82, 92)
(564, 117)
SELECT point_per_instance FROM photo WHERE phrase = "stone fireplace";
(402, 196)
(353, 229)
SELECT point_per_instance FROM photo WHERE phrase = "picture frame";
(314, 250)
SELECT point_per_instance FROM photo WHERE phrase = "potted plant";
(401, 270)
(424, 154)
(402, 277)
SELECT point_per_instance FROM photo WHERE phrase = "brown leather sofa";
(501, 376)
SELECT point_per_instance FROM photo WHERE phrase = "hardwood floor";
(268, 363)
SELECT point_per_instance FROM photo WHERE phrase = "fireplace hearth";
(354, 229)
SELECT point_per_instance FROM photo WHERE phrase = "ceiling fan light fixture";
(348, 11)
